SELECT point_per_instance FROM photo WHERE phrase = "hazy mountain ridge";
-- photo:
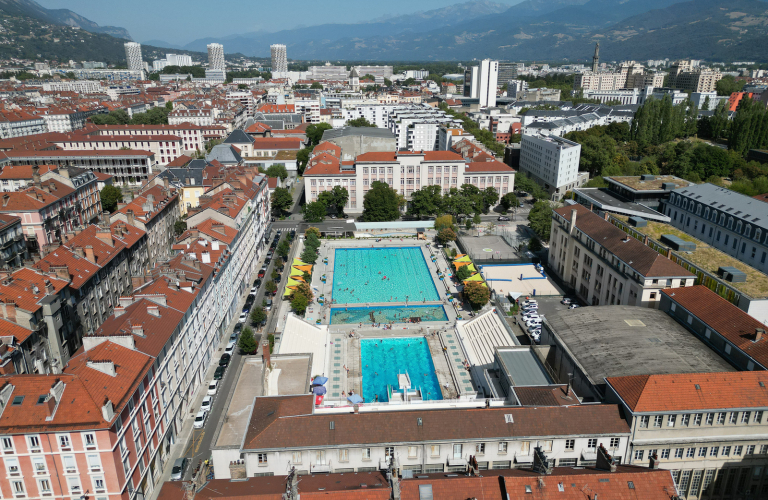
(59, 16)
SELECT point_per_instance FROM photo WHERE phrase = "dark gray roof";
(225, 154)
(238, 137)
(614, 341)
(607, 201)
(335, 133)
(184, 176)
(730, 203)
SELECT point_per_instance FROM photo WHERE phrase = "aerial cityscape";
(481, 250)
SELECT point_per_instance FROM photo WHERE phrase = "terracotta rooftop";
(488, 166)
(643, 259)
(693, 391)
(269, 429)
(388, 156)
(26, 287)
(723, 317)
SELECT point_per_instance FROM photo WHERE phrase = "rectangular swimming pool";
(385, 274)
(386, 314)
(383, 359)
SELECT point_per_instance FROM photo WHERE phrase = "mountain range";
(543, 30)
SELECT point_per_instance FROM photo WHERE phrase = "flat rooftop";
(603, 199)
(290, 375)
(522, 367)
(357, 131)
(615, 341)
(710, 258)
(232, 427)
(634, 182)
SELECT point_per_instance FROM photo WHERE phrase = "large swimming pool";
(384, 274)
(383, 359)
(386, 314)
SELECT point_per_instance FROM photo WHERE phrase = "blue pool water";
(383, 359)
(359, 275)
(386, 314)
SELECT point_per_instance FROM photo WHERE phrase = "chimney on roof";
(6, 199)
(604, 459)
(137, 281)
(49, 289)
(265, 354)
(89, 253)
(57, 389)
(166, 181)
(219, 228)
(606, 215)
(130, 217)
(10, 310)
(36, 175)
(154, 311)
(105, 235)
(119, 311)
(137, 329)
(126, 301)
(759, 332)
(653, 461)
(107, 410)
(79, 251)
(105, 218)
(50, 407)
(572, 228)
(64, 171)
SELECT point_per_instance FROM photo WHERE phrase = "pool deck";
(345, 370)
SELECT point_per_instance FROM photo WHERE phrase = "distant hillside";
(66, 17)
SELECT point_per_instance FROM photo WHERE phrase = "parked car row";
(529, 309)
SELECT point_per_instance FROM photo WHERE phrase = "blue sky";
(181, 21)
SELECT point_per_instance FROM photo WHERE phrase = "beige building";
(604, 265)
(683, 75)
(709, 429)
(630, 75)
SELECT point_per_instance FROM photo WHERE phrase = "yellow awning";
(457, 265)
(307, 268)
(474, 277)
(472, 268)
(463, 258)
(298, 262)
(460, 256)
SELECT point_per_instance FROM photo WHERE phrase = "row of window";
(702, 452)
(33, 441)
(19, 489)
(697, 419)
(40, 466)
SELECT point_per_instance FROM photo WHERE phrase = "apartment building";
(131, 167)
(427, 440)
(64, 119)
(165, 147)
(104, 427)
(17, 123)
(604, 265)
(13, 248)
(154, 210)
(416, 128)
(192, 136)
(201, 117)
(133, 56)
(481, 82)
(729, 331)
(404, 171)
(685, 75)
(729, 221)
(553, 162)
(629, 75)
(707, 428)
(98, 263)
(37, 306)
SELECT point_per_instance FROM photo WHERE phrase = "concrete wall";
(352, 146)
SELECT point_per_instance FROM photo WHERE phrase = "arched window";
(758, 234)
(738, 227)
(706, 213)
(747, 230)
(722, 219)
(730, 222)
(698, 209)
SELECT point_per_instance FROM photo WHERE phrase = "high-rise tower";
(279, 58)
(596, 57)
(216, 56)
(133, 56)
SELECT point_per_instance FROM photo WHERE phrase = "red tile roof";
(257, 128)
(632, 252)
(392, 156)
(655, 393)
(325, 164)
(328, 147)
(269, 429)
(26, 287)
(277, 143)
(222, 233)
(23, 172)
(277, 108)
(734, 324)
(488, 166)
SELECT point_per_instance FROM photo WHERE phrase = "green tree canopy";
(283, 249)
(477, 293)
(446, 235)
(258, 315)
(270, 286)
(336, 198)
(315, 132)
(444, 221)
(110, 197)
(508, 201)
(316, 85)
(299, 302)
(281, 200)
(540, 219)
(246, 342)
(490, 198)
(277, 170)
(463, 273)
(314, 211)
(360, 122)
(381, 203)
(312, 230)
(302, 158)
(179, 227)
(728, 84)
(426, 201)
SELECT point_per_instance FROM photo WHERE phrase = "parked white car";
(242, 318)
(200, 419)
(206, 404)
(212, 387)
(230, 347)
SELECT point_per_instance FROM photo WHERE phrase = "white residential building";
(279, 58)
(133, 56)
(79, 86)
(215, 56)
(480, 82)
(416, 126)
(551, 161)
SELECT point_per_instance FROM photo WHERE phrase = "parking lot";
(547, 305)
